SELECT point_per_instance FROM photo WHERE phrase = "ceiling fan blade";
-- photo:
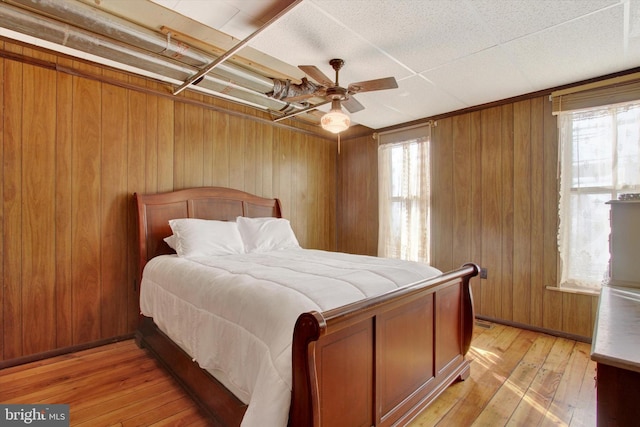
(304, 110)
(317, 75)
(352, 105)
(371, 85)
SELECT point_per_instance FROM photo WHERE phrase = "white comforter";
(235, 314)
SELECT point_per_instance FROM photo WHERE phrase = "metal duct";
(285, 89)
(118, 40)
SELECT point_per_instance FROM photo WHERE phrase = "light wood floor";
(518, 378)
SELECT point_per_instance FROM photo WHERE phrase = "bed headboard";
(155, 211)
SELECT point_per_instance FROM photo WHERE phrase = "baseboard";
(536, 329)
(60, 351)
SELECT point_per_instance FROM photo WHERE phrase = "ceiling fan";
(335, 120)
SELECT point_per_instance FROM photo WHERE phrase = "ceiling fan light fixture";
(336, 120)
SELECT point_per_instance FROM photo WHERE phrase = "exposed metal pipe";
(218, 61)
(96, 21)
(87, 29)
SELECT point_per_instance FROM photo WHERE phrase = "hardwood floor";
(518, 378)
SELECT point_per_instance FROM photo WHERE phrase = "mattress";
(235, 314)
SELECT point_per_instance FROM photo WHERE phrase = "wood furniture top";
(616, 339)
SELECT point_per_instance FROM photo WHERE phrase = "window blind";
(606, 92)
(405, 134)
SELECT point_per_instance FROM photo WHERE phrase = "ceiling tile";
(169, 4)
(419, 34)
(202, 11)
(381, 113)
(252, 15)
(473, 79)
(509, 20)
(579, 49)
(307, 36)
(415, 98)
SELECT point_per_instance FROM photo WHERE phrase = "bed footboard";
(381, 361)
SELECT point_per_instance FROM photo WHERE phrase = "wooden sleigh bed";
(379, 361)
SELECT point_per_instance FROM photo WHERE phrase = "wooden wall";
(77, 143)
(494, 202)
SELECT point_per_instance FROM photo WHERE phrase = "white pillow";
(171, 241)
(203, 237)
(266, 234)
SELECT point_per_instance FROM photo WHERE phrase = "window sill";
(579, 291)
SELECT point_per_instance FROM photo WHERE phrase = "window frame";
(419, 248)
(566, 279)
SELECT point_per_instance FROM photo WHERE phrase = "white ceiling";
(445, 54)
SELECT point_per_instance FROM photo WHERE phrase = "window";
(403, 169)
(600, 159)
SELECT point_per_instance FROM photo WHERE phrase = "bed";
(377, 360)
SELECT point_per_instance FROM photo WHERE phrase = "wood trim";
(547, 331)
(62, 351)
(27, 59)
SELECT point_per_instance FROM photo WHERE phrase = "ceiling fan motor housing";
(337, 92)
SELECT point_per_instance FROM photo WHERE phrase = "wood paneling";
(63, 138)
(462, 185)
(38, 210)
(505, 206)
(537, 215)
(86, 169)
(443, 208)
(12, 117)
(114, 206)
(358, 196)
(75, 149)
(494, 202)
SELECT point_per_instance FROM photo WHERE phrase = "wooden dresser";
(616, 339)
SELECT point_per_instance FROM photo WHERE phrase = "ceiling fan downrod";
(337, 65)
